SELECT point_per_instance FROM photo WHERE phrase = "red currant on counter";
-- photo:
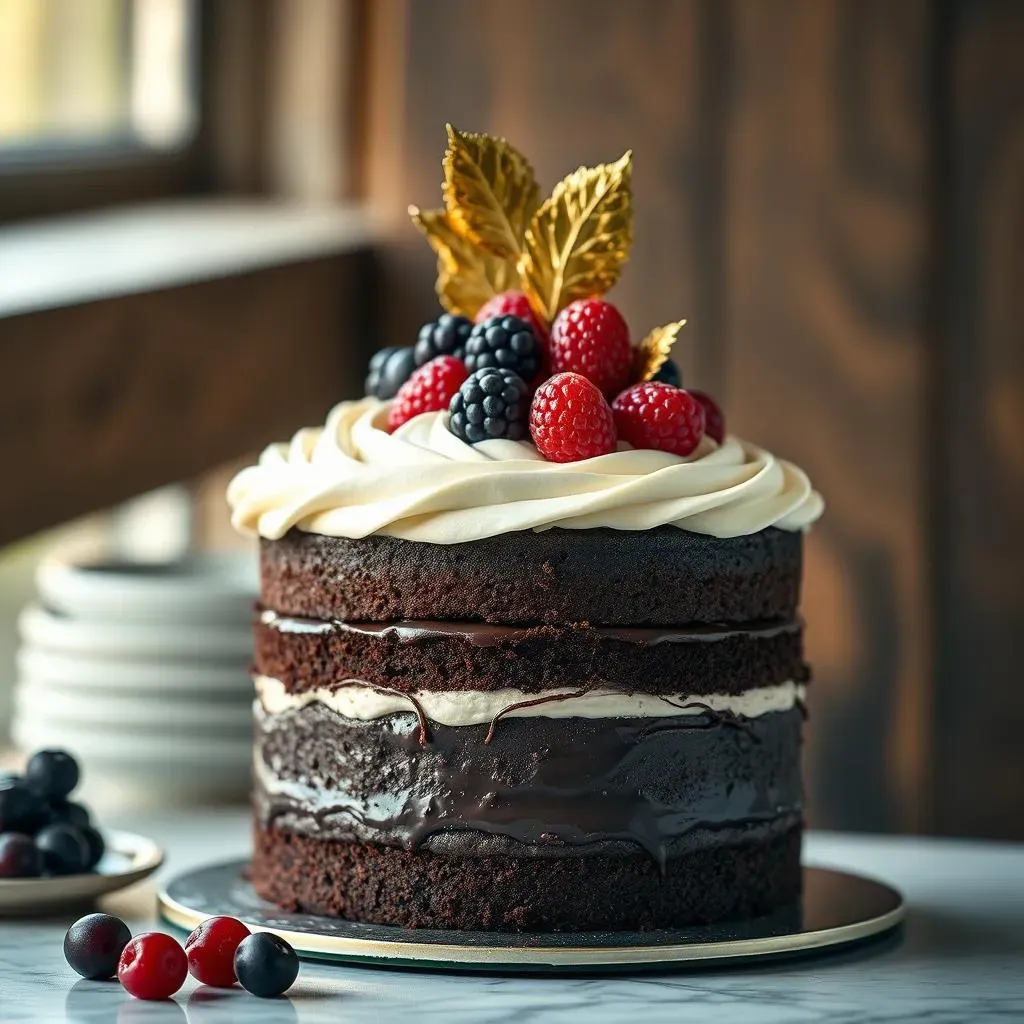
(211, 950)
(152, 966)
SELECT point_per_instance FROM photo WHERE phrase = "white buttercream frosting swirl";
(351, 478)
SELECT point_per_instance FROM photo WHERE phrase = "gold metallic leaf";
(489, 190)
(579, 239)
(653, 352)
(467, 276)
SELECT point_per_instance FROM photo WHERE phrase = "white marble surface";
(961, 959)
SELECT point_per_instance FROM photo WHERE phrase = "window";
(96, 74)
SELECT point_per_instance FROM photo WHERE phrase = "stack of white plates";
(142, 671)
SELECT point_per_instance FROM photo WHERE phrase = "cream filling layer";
(359, 700)
(352, 478)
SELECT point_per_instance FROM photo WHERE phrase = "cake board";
(838, 910)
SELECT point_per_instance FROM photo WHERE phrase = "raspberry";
(152, 966)
(513, 304)
(714, 420)
(444, 337)
(211, 950)
(429, 389)
(657, 415)
(491, 403)
(590, 337)
(389, 369)
(506, 342)
(570, 420)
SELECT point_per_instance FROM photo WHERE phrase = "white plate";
(129, 859)
(167, 641)
(132, 676)
(155, 752)
(202, 589)
(36, 699)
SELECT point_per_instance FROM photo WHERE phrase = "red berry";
(512, 304)
(570, 420)
(211, 950)
(153, 966)
(714, 420)
(590, 337)
(429, 389)
(657, 415)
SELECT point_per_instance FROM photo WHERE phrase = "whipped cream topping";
(359, 700)
(351, 478)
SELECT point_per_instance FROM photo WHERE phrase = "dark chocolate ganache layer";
(542, 787)
(305, 653)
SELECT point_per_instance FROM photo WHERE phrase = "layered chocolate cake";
(529, 654)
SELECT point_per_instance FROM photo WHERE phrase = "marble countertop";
(961, 958)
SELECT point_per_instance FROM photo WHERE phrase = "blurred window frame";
(128, 386)
(51, 177)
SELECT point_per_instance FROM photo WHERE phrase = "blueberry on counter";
(266, 965)
(94, 944)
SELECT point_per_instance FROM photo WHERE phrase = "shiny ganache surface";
(550, 787)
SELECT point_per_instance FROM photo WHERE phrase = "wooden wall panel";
(118, 396)
(567, 92)
(978, 427)
(826, 211)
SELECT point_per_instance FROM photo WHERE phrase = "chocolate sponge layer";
(661, 577)
(420, 889)
(308, 654)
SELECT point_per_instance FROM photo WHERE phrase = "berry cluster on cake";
(529, 654)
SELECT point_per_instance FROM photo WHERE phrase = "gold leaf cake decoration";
(490, 192)
(580, 237)
(494, 235)
(653, 352)
(467, 275)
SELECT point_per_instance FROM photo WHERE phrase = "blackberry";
(445, 336)
(670, 374)
(492, 402)
(389, 369)
(506, 342)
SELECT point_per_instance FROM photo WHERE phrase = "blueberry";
(94, 944)
(266, 965)
(64, 849)
(669, 374)
(97, 846)
(52, 773)
(68, 812)
(17, 804)
(389, 369)
(19, 857)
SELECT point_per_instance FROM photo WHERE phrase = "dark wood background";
(833, 194)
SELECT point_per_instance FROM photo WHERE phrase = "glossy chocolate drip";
(482, 634)
(548, 787)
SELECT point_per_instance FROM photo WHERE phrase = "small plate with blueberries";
(51, 851)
